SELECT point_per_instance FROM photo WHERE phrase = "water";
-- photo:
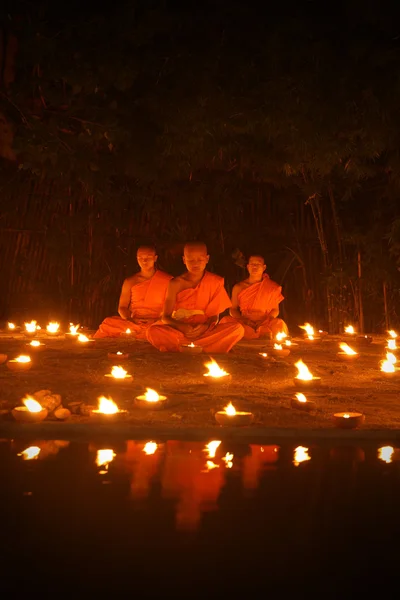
(154, 520)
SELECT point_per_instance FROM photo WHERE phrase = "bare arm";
(234, 311)
(169, 304)
(125, 300)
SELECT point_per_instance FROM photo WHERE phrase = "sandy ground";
(263, 386)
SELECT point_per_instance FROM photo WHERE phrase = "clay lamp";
(387, 366)
(215, 374)
(279, 351)
(103, 458)
(309, 332)
(363, 340)
(53, 329)
(119, 376)
(13, 328)
(347, 353)
(391, 344)
(349, 330)
(21, 363)
(300, 455)
(31, 329)
(348, 420)
(300, 402)
(35, 345)
(230, 417)
(31, 412)
(304, 378)
(118, 355)
(191, 348)
(73, 332)
(151, 400)
(30, 453)
(108, 411)
(322, 333)
(128, 333)
(3, 358)
(83, 339)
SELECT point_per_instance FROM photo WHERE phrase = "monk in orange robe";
(192, 307)
(255, 303)
(141, 301)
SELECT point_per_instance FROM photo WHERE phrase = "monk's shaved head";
(147, 248)
(257, 256)
(195, 257)
(195, 246)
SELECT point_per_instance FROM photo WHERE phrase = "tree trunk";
(360, 303)
(385, 303)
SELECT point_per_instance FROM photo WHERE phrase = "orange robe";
(255, 303)
(196, 305)
(147, 301)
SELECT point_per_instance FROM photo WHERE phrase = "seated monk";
(255, 303)
(192, 306)
(141, 301)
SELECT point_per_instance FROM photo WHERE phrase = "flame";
(83, 338)
(347, 350)
(390, 357)
(309, 329)
(73, 329)
(304, 372)
(107, 406)
(301, 397)
(288, 343)
(53, 327)
(230, 410)
(391, 344)
(119, 353)
(263, 354)
(23, 359)
(211, 465)
(104, 457)
(346, 416)
(386, 453)
(280, 336)
(214, 370)
(392, 333)
(300, 455)
(150, 448)
(119, 373)
(349, 329)
(11, 325)
(212, 447)
(32, 405)
(387, 367)
(128, 331)
(277, 346)
(31, 327)
(228, 459)
(35, 343)
(30, 453)
(191, 345)
(151, 395)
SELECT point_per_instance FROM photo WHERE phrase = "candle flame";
(228, 459)
(349, 329)
(277, 346)
(387, 366)
(73, 329)
(31, 327)
(151, 395)
(280, 336)
(150, 448)
(347, 350)
(118, 372)
(32, 405)
(128, 331)
(392, 333)
(23, 359)
(230, 410)
(191, 345)
(53, 327)
(104, 457)
(214, 370)
(35, 343)
(107, 406)
(11, 325)
(391, 344)
(288, 343)
(119, 353)
(30, 453)
(300, 455)
(303, 371)
(390, 357)
(211, 448)
(309, 329)
(301, 397)
(386, 454)
(83, 338)
(346, 416)
(263, 354)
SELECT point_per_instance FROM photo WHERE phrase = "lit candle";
(391, 344)
(36, 345)
(83, 339)
(53, 328)
(304, 377)
(263, 354)
(151, 400)
(386, 366)
(300, 402)
(278, 350)
(118, 355)
(309, 331)
(230, 417)
(280, 336)
(119, 375)
(108, 411)
(12, 327)
(348, 420)
(347, 352)
(215, 373)
(350, 330)
(21, 363)
(191, 348)
(392, 334)
(73, 331)
(31, 328)
(30, 412)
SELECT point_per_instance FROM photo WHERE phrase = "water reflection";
(30, 453)
(300, 455)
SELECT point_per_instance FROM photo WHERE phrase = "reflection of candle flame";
(228, 459)
(212, 447)
(104, 457)
(386, 453)
(23, 359)
(347, 350)
(304, 372)
(32, 405)
(30, 453)
(301, 397)
(150, 448)
(230, 410)
(214, 370)
(211, 465)
(390, 357)
(300, 455)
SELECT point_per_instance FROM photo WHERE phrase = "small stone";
(62, 414)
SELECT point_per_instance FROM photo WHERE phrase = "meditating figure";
(141, 301)
(255, 303)
(192, 307)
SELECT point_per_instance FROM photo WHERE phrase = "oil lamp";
(118, 355)
(119, 376)
(309, 331)
(21, 363)
(73, 332)
(300, 402)
(230, 417)
(215, 373)
(279, 351)
(12, 327)
(30, 412)
(348, 420)
(347, 352)
(387, 366)
(151, 400)
(35, 345)
(107, 412)
(191, 348)
(53, 329)
(31, 329)
(349, 330)
(83, 339)
(304, 377)
(391, 344)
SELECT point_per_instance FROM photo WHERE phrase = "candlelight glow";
(119, 353)
(390, 357)
(32, 405)
(211, 448)
(391, 344)
(119, 373)
(214, 370)
(35, 343)
(83, 338)
(309, 329)
(277, 346)
(346, 416)
(31, 327)
(230, 410)
(392, 333)
(23, 359)
(280, 336)
(73, 329)
(53, 327)
(11, 325)
(151, 395)
(288, 343)
(387, 367)
(300, 455)
(30, 453)
(303, 371)
(211, 465)
(107, 406)
(349, 329)
(263, 354)
(347, 350)
(104, 457)
(191, 345)
(228, 459)
(150, 448)
(301, 397)
(128, 331)
(386, 453)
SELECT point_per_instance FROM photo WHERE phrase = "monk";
(192, 307)
(141, 301)
(255, 303)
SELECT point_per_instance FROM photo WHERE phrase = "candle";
(151, 400)
(263, 354)
(108, 411)
(30, 412)
(347, 352)
(348, 420)
(21, 363)
(83, 339)
(191, 348)
(304, 377)
(215, 373)
(12, 327)
(230, 417)
(391, 344)
(349, 330)
(300, 455)
(118, 355)
(119, 375)
(309, 331)
(73, 331)
(300, 402)
(31, 329)
(278, 350)
(392, 334)
(280, 336)
(53, 328)
(387, 366)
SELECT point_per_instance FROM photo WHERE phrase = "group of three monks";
(173, 311)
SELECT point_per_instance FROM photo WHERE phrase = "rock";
(75, 407)
(62, 414)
